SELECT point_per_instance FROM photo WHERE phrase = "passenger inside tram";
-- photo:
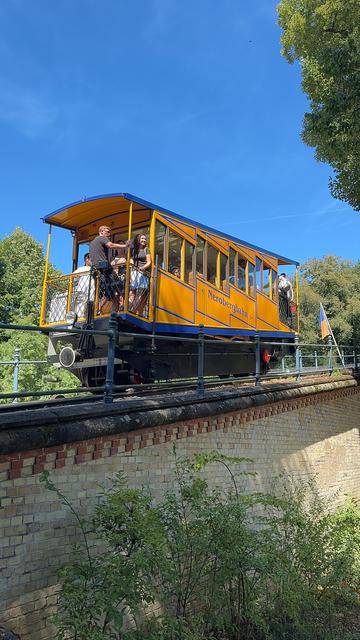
(83, 287)
(139, 278)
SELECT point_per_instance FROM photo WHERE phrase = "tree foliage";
(336, 283)
(217, 566)
(324, 36)
(22, 266)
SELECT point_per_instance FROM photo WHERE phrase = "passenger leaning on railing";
(139, 280)
(83, 286)
(286, 296)
(99, 255)
(285, 287)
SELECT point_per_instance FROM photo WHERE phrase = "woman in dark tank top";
(139, 280)
(140, 252)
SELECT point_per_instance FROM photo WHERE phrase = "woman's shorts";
(138, 280)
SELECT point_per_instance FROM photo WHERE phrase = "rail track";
(137, 393)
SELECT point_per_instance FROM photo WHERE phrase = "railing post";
(257, 359)
(355, 358)
(109, 381)
(330, 355)
(283, 364)
(343, 358)
(16, 372)
(297, 358)
(316, 359)
(201, 350)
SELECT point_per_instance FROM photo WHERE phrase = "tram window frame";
(251, 279)
(214, 257)
(242, 258)
(161, 264)
(233, 258)
(203, 253)
(266, 280)
(171, 232)
(274, 285)
(258, 274)
(188, 276)
(80, 253)
(223, 278)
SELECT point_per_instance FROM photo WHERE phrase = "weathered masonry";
(300, 429)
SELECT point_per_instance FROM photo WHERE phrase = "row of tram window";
(180, 257)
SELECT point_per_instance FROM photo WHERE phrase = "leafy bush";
(212, 566)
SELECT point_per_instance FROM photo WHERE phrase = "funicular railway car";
(198, 276)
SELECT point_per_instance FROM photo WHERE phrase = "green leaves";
(215, 566)
(336, 283)
(22, 267)
(324, 36)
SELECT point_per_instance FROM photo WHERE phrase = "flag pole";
(332, 335)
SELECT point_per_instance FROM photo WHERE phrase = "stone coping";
(32, 429)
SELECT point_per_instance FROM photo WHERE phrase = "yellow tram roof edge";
(60, 219)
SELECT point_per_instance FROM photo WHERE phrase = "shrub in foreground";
(212, 566)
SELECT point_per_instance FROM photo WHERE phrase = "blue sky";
(186, 104)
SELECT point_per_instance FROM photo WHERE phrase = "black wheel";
(94, 377)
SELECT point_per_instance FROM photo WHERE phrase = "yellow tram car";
(198, 276)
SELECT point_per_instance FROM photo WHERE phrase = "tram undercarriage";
(148, 359)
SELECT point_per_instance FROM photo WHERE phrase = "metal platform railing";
(307, 359)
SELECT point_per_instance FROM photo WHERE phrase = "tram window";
(189, 263)
(83, 249)
(241, 273)
(160, 235)
(200, 252)
(174, 252)
(251, 278)
(274, 283)
(258, 273)
(266, 280)
(211, 264)
(232, 266)
(223, 269)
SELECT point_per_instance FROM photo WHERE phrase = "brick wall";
(312, 434)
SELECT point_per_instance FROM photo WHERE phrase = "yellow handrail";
(46, 270)
(127, 281)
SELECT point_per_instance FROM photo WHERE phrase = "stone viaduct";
(299, 428)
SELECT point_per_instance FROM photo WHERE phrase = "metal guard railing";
(105, 288)
(303, 362)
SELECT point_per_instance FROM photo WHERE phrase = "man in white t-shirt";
(285, 287)
(82, 284)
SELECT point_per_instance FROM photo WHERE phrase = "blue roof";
(150, 205)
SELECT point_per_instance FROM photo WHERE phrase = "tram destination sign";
(226, 303)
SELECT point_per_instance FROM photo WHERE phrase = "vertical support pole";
(297, 358)
(16, 372)
(301, 361)
(297, 298)
(109, 381)
(330, 343)
(128, 266)
(201, 347)
(44, 287)
(343, 357)
(154, 300)
(257, 359)
(316, 359)
(283, 364)
(355, 358)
